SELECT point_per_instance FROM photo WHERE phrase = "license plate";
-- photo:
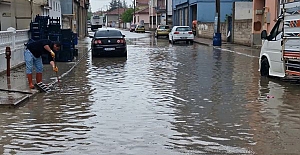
(109, 49)
(183, 37)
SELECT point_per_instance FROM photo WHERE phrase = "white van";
(280, 51)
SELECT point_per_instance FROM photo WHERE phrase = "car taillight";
(97, 42)
(176, 32)
(190, 32)
(121, 41)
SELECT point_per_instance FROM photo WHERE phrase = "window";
(275, 34)
(164, 27)
(183, 29)
(96, 17)
(108, 33)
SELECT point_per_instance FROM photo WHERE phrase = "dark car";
(132, 27)
(108, 42)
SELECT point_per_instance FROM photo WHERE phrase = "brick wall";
(242, 31)
(206, 30)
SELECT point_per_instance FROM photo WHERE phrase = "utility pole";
(218, 12)
(166, 12)
(217, 40)
(134, 12)
(119, 13)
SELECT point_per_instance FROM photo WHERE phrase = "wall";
(178, 2)
(169, 7)
(67, 7)
(112, 18)
(15, 40)
(144, 17)
(206, 30)
(264, 21)
(242, 31)
(206, 11)
(243, 10)
(5, 16)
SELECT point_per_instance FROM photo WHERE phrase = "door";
(229, 29)
(274, 49)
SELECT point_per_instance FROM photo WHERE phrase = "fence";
(15, 39)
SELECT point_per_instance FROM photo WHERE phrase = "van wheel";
(264, 68)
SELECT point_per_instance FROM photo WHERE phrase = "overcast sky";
(97, 5)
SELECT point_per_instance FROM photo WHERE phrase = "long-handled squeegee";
(46, 87)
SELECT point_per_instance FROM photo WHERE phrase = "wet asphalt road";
(163, 99)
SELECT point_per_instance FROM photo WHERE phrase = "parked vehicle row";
(137, 28)
(176, 34)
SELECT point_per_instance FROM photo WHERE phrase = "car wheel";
(264, 67)
(187, 42)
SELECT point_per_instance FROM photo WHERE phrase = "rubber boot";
(39, 77)
(29, 77)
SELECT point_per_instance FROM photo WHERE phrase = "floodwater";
(163, 99)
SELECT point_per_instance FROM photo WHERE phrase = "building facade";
(160, 13)
(74, 16)
(265, 14)
(185, 11)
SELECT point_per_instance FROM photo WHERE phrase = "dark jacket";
(37, 47)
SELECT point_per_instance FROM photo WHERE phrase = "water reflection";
(162, 99)
(275, 118)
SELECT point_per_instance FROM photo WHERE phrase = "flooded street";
(163, 99)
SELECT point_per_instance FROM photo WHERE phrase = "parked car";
(89, 24)
(162, 30)
(181, 33)
(140, 28)
(108, 42)
(132, 27)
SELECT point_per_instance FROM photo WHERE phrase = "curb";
(201, 43)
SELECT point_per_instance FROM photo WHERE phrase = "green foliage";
(127, 15)
(114, 4)
(89, 15)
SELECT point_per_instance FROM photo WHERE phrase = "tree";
(127, 15)
(114, 4)
(89, 13)
(124, 5)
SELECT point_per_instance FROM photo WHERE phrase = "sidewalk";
(14, 90)
(236, 48)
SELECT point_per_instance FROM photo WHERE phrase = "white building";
(53, 9)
